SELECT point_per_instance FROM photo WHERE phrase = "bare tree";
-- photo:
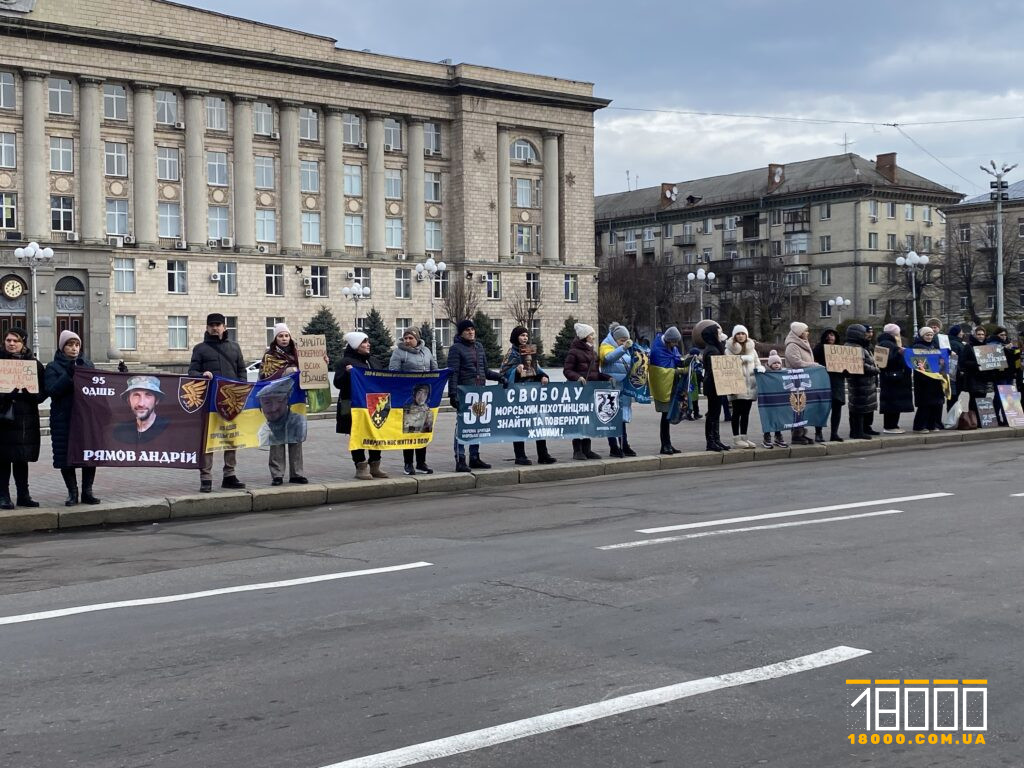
(646, 296)
(462, 300)
(970, 267)
(523, 305)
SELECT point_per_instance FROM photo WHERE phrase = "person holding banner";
(665, 373)
(412, 355)
(799, 355)
(19, 424)
(467, 362)
(519, 367)
(281, 359)
(863, 394)
(896, 382)
(357, 355)
(838, 384)
(975, 380)
(930, 387)
(581, 366)
(741, 345)
(616, 358)
(1006, 376)
(60, 384)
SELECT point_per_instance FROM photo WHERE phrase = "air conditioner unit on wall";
(388, 148)
(180, 245)
(214, 277)
(179, 125)
(309, 293)
(275, 136)
(227, 242)
(362, 145)
(261, 249)
(71, 237)
(483, 278)
(129, 239)
(213, 243)
(401, 256)
(115, 241)
(307, 281)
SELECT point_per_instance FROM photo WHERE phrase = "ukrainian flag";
(234, 416)
(394, 410)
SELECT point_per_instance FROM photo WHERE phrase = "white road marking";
(795, 512)
(43, 615)
(1017, 494)
(533, 726)
(667, 539)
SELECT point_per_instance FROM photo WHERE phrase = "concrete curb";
(318, 494)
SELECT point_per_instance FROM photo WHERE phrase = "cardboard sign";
(728, 372)
(881, 357)
(312, 350)
(986, 412)
(839, 358)
(1010, 398)
(943, 340)
(18, 374)
(991, 357)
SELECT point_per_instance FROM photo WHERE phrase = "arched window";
(523, 151)
(69, 283)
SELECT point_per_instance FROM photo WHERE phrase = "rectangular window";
(216, 114)
(274, 274)
(533, 286)
(963, 302)
(441, 285)
(1020, 226)
(117, 217)
(776, 217)
(8, 151)
(825, 241)
(318, 281)
(926, 244)
(873, 241)
(266, 225)
(910, 240)
(498, 327)
(908, 211)
(262, 119)
(825, 277)
(124, 275)
(432, 138)
(217, 222)
(177, 331)
(311, 228)
(776, 249)
(571, 284)
(61, 101)
(177, 276)
(353, 128)
(115, 102)
(217, 169)
(7, 100)
(872, 306)
(825, 310)
(432, 189)
(62, 213)
(402, 324)
(524, 238)
(890, 242)
(166, 107)
(393, 184)
(62, 155)
(432, 236)
(443, 332)
(393, 233)
(227, 278)
(115, 158)
(362, 276)
(353, 180)
(990, 302)
(629, 245)
(666, 230)
(649, 231)
(169, 219)
(309, 176)
(825, 211)
(524, 193)
(965, 233)
(403, 283)
(309, 124)
(263, 172)
(890, 210)
(926, 213)
(873, 275)
(705, 254)
(354, 230)
(125, 333)
(493, 285)
(873, 209)
(167, 163)
(392, 134)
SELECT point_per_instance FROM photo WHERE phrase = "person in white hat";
(357, 355)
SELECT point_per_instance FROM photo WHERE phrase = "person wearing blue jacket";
(616, 360)
(467, 362)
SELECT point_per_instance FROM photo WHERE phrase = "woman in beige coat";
(799, 355)
(742, 346)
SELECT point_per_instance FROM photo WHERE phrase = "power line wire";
(813, 120)
(909, 138)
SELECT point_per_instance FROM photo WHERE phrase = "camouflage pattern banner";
(255, 414)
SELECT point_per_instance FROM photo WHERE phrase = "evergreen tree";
(427, 334)
(323, 322)
(540, 358)
(486, 336)
(563, 340)
(381, 342)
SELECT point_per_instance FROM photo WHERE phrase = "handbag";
(968, 420)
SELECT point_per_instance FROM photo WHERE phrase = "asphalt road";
(521, 614)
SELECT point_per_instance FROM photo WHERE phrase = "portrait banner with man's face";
(137, 420)
(245, 414)
(394, 410)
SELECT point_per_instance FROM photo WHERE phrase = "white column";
(552, 177)
(37, 196)
(416, 217)
(244, 196)
(291, 203)
(93, 206)
(334, 191)
(504, 195)
(196, 203)
(145, 182)
(376, 188)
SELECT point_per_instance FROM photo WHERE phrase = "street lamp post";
(703, 278)
(431, 270)
(33, 256)
(839, 303)
(356, 292)
(998, 195)
(912, 261)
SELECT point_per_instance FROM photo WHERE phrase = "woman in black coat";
(357, 355)
(896, 383)
(862, 400)
(19, 435)
(975, 380)
(838, 383)
(929, 393)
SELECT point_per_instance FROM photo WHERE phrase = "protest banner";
(394, 410)
(943, 340)
(839, 358)
(881, 357)
(728, 372)
(526, 412)
(1010, 398)
(132, 420)
(986, 412)
(17, 375)
(990, 357)
(312, 352)
(795, 397)
(930, 362)
(255, 414)
(637, 383)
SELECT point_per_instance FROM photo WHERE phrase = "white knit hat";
(583, 330)
(740, 329)
(66, 336)
(355, 338)
(891, 328)
(281, 328)
(798, 328)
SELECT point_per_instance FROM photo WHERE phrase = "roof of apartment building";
(819, 174)
(1015, 190)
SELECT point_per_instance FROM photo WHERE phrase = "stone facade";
(178, 162)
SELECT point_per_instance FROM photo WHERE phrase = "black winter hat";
(516, 333)
(464, 325)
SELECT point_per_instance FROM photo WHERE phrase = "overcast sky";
(867, 62)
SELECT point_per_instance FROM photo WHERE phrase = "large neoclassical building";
(179, 161)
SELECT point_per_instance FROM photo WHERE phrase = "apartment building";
(782, 241)
(180, 161)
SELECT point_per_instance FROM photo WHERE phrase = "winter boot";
(577, 450)
(71, 483)
(87, 495)
(25, 498)
(376, 471)
(626, 450)
(409, 469)
(5, 500)
(747, 443)
(522, 460)
(613, 448)
(586, 450)
(543, 457)
(363, 471)
(819, 437)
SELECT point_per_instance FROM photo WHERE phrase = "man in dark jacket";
(468, 363)
(217, 356)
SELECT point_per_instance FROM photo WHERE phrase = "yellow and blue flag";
(394, 410)
(255, 414)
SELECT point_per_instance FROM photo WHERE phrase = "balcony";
(745, 264)
(798, 220)
(685, 239)
(728, 236)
